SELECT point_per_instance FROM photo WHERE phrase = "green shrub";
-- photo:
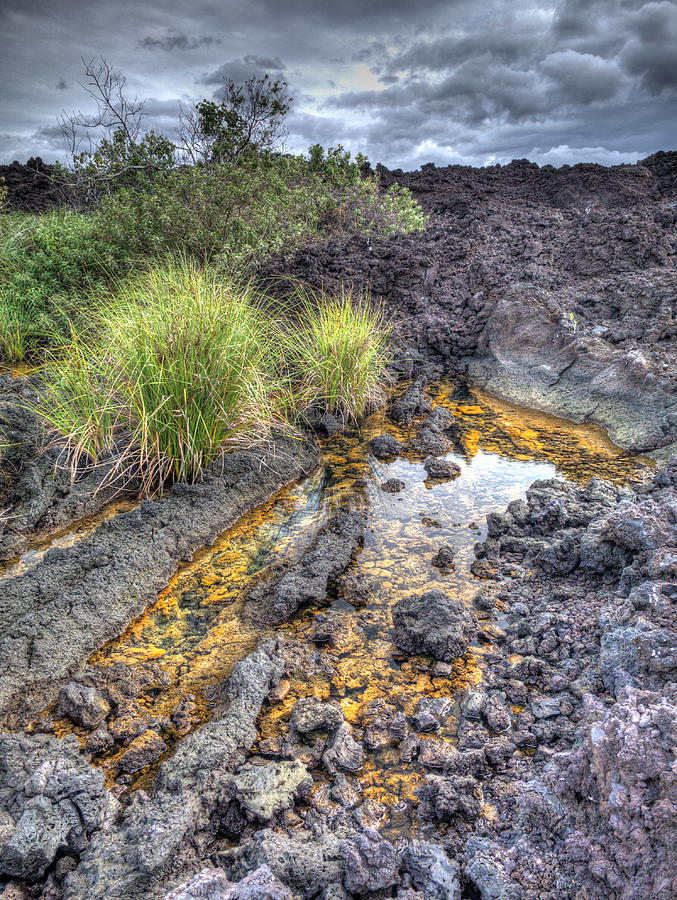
(338, 351)
(239, 213)
(48, 265)
(186, 366)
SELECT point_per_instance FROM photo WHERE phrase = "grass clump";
(338, 350)
(186, 366)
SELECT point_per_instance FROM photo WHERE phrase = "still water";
(201, 624)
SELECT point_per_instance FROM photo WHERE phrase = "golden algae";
(201, 624)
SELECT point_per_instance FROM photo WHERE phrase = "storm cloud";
(475, 81)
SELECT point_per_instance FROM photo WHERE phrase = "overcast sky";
(404, 81)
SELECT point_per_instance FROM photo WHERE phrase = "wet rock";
(306, 861)
(393, 486)
(441, 468)
(264, 790)
(371, 863)
(385, 446)
(431, 870)
(433, 623)
(55, 800)
(430, 443)
(343, 751)
(473, 703)
(158, 833)
(310, 714)
(143, 750)
(69, 587)
(424, 721)
(444, 799)
(83, 705)
(412, 403)
(444, 558)
(308, 580)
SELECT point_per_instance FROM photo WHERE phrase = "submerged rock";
(433, 623)
(393, 486)
(308, 579)
(343, 751)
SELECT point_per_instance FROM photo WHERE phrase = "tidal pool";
(201, 624)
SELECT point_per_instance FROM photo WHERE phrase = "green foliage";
(230, 213)
(240, 212)
(338, 351)
(355, 201)
(48, 265)
(121, 163)
(3, 193)
(249, 118)
(186, 365)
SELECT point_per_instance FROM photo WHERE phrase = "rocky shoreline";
(552, 287)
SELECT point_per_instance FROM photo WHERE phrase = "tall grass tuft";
(338, 349)
(186, 367)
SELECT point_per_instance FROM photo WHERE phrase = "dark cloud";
(480, 81)
(240, 70)
(177, 40)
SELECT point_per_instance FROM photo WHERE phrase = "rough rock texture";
(35, 490)
(76, 598)
(433, 623)
(212, 884)
(264, 789)
(307, 580)
(304, 860)
(556, 286)
(54, 801)
(30, 187)
(161, 835)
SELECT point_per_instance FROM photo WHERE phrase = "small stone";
(441, 468)
(143, 750)
(424, 722)
(310, 714)
(444, 558)
(343, 751)
(393, 486)
(84, 705)
(385, 446)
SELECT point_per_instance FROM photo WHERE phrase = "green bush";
(48, 265)
(337, 351)
(186, 366)
(261, 204)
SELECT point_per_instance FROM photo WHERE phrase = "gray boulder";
(431, 870)
(371, 863)
(265, 789)
(433, 623)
